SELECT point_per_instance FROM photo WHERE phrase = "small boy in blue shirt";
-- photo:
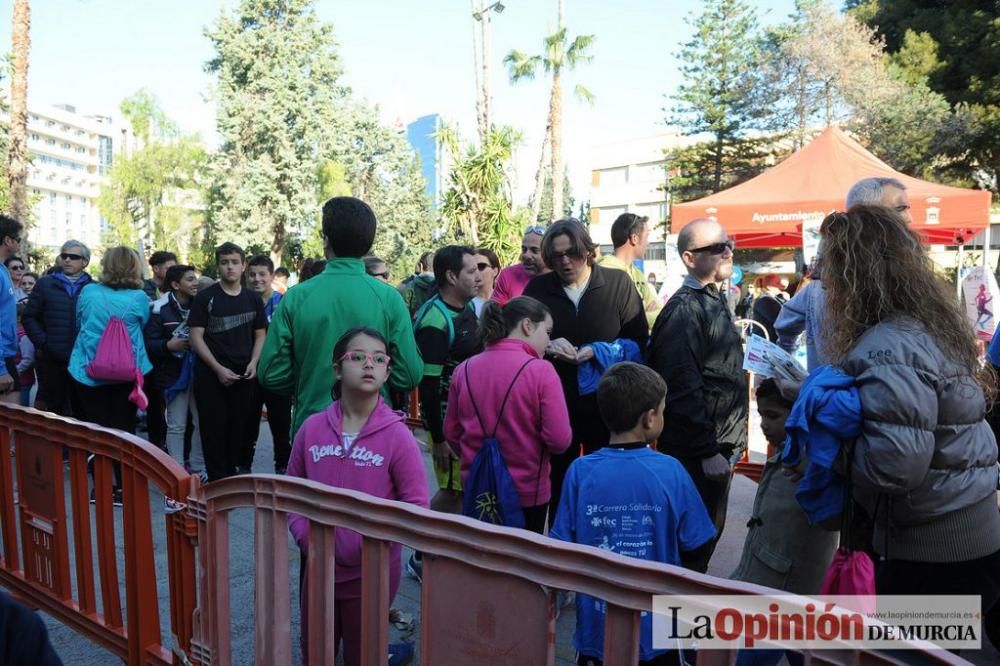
(631, 500)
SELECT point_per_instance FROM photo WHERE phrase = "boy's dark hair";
(10, 228)
(281, 271)
(175, 274)
(229, 248)
(768, 390)
(349, 226)
(31, 274)
(450, 258)
(626, 392)
(161, 257)
(261, 260)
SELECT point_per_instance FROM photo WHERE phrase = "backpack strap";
(503, 404)
(435, 301)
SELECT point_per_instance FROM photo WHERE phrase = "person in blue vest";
(10, 245)
(50, 321)
(260, 277)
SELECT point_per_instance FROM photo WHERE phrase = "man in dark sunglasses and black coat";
(696, 347)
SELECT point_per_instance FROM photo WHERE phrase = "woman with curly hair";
(925, 464)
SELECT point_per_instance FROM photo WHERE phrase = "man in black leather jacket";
(696, 347)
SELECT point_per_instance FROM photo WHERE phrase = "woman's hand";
(562, 349)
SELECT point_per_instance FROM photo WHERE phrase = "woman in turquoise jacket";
(119, 294)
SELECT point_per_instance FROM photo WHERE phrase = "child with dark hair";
(631, 500)
(358, 443)
(509, 392)
(782, 550)
(228, 325)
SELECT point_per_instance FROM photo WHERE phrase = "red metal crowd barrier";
(39, 558)
(488, 594)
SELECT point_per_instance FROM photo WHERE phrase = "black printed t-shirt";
(229, 323)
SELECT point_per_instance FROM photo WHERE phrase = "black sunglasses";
(483, 266)
(716, 248)
(71, 257)
(384, 275)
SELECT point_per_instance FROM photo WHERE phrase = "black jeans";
(56, 388)
(223, 414)
(108, 405)
(589, 432)
(156, 420)
(715, 496)
(534, 518)
(279, 419)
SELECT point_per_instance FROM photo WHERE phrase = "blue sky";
(411, 57)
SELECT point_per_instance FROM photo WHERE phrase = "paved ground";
(75, 650)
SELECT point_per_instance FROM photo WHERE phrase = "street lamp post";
(481, 15)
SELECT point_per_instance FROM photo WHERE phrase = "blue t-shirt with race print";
(635, 502)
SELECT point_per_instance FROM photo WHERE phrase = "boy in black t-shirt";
(227, 332)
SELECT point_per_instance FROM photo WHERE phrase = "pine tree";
(718, 66)
(277, 70)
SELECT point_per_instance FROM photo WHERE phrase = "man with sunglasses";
(630, 237)
(50, 322)
(696, 347)
(513, 279)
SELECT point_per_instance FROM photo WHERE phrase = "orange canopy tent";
(768, 211)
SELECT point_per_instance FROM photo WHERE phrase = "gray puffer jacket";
(925, 464)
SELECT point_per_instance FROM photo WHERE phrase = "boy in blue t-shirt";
(631, 500)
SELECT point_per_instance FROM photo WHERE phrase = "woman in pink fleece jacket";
(534, 423)
(358, 443)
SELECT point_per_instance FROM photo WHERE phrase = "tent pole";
(958, 271)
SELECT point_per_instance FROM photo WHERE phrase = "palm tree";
(559, 52)
(18, 149)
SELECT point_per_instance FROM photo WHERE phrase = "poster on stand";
(979, 288)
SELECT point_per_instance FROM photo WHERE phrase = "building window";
(35, 137)
(50, 142)
(65, 128)
(69, 199)
(105, 154)
(65, 146)
(52, 198)
(656, 252)
(83, 221)
(50, 123)
(612, 177)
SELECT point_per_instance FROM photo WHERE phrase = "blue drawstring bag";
(489, 491)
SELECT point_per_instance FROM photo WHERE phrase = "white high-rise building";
(629, 177)
(70, 156)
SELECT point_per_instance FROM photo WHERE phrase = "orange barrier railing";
(488, 594)
(39, 559)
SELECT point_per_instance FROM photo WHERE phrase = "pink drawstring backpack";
(851, 572)
(114, 360)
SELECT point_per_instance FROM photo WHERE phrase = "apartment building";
(71, 155)
(628, 177)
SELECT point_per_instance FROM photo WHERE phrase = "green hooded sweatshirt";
(297, 358)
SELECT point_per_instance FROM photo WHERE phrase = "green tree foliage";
(152, 198)
(277, 70)
(545, 212)
(477, 208)
(956, 47)
(715, 98)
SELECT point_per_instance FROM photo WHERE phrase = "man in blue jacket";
(50, 321)
(10, 245)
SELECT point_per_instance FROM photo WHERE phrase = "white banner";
(823, 623)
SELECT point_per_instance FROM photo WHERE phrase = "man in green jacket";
(297, 356)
